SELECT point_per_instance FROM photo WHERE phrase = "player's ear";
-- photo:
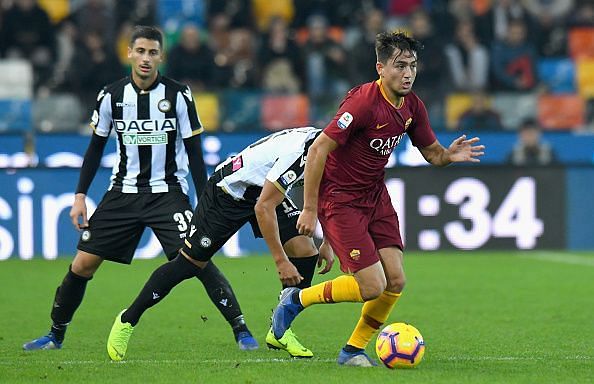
(129, 52)
(379, 67)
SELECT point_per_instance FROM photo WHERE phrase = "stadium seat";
(585, 78)
(207, 105)
(581, 42)
(335, 33)
(515, 108)
(57, 113)
(455, 105)
(15, 115)
(16, 79)
(280, 112)
(557, 74)
(561, 112)
(240, 110)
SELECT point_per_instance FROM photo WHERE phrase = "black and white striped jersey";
(150, 126)
(279, 158)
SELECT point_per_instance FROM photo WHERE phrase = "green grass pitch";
(486, 318)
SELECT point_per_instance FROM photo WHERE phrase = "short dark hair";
(387, 42)
(146, 32)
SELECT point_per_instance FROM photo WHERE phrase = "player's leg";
(113, 234)
(204, 238)
(171, 227)
(384, 229)
(68, 297)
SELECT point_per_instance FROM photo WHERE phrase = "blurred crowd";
(319, 48)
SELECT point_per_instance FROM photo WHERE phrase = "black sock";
(221, 294)
(306, 266)
(158, 286)
(68, 297)
(350, 349)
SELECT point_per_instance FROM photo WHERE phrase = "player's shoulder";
(174, 84)
(117, 85)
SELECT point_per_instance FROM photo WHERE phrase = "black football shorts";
(116, 227)
(219, 216)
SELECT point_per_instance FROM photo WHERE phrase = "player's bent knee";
(85, 264)
(372, 290)
(396, 284)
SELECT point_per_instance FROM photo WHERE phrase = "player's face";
(398, 74)
(145, 57)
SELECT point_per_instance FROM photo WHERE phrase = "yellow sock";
(343, 288)
(374, 313)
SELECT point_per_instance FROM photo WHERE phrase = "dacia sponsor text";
(153, 125)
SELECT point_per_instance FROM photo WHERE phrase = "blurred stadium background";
(519, 74)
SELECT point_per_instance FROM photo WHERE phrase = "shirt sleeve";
(351, 116)
(187, 117)
(101, 119)
(421, 134)
(287, 171)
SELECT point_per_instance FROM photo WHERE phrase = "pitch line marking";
(564, 258)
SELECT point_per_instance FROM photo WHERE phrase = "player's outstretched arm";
(314, 169)
(265, 209)
(461, 150)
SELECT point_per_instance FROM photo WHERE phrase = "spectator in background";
(429, 85)
(583, 16)
(497, 21)
(27, 33)
(513, 60)
(95, 16)
(480, 116)
(94, 64)
(279, 59)
(550, 25)
(326, 68)
(530, 150)
(235, 54)
(362, 59)
(468, 60)
(135, 12)
(236, 10)
(190, 61)
(399, 10)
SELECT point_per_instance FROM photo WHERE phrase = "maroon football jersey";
(367, 128)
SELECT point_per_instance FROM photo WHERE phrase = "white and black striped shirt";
(150, 126)
(279, 158)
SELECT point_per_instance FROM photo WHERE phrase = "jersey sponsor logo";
(144, 138)
(164, 105)
(126, 104)
(355, 254)
(378, 126)
(138, 126)
(345, 120)
(385, 146)
(288, 177)
(408, 121)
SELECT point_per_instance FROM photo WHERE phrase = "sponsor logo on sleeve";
(345, 120)
(288, 177)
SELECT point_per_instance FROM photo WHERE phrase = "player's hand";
(79, 209)
(326, 254)
(288, 274)
(306, 224)
(462, 150)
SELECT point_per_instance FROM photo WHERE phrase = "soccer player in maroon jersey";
(345, 189)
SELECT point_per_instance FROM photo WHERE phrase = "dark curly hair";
(387, 42)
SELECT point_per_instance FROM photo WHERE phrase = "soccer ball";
(400, 345)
